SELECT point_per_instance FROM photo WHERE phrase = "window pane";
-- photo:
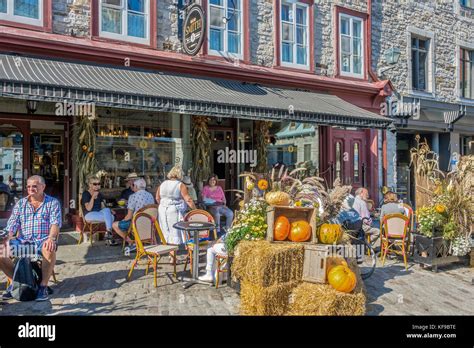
(234, 43)
(287, 53)
(346, 44)
(301, 36)
(301, 55)
(216, 42)
(111, 20)
(357, 28)
(234, 20)
(345, 26)
(357, 65)
(414, 42)
(231, 3)
(346, 63)
(414, 68)
(216, 2)
(136, 25)
(338, 160)
(424, 44)
(287, 32)
(217, 15)
(113, 2)
(136, 5)
(422, 71)
(3, 6)
(357, 47)
(301, 15)
(356, 162)
(26, 8)
(285, 13)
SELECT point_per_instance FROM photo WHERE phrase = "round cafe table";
(194, 227)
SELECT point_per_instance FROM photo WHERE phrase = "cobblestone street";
(92, 282)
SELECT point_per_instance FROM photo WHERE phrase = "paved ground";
(92, 281)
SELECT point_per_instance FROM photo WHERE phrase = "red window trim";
(364, 16)
(47, 20)
(276, 18)
(95, 32)
(246, 33)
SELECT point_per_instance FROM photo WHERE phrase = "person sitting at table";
(360, 206)
(189, 185)
(94, 209)
(140, 198)
(216, 249)
(391, 205)
(125, 194)
(214, 198)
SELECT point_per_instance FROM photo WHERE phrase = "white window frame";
(225, 51)
(293, 8)
(124, 36)
(351, 35)
(431, 87)
(10, 16)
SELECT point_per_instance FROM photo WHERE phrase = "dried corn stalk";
(85, 139)
(261, 131)
(201, 150)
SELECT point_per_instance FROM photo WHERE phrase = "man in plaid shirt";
(37, 220)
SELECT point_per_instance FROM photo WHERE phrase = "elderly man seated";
(37, 219)
(360, 206)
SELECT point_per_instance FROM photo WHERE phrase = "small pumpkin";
(300, 231)
(278, 198)
(440, 208)
(329, 233)
(282, 228)
(342, 278)
(262, 184)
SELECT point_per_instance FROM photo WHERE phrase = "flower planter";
(434, 252)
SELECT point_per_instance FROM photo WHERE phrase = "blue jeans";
(105, 215)
(220, 210)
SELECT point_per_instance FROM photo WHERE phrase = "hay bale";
(259, 300)
(265, 264)
(323, 299)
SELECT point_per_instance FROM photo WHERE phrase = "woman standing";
(172, 196)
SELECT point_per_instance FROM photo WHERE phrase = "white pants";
(218, 249)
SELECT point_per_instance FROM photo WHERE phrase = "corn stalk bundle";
(332, 203)
(86, 162)
(201, 149)
(261, 131)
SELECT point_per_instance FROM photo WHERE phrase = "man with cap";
(125, 194)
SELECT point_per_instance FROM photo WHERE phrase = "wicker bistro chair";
(145, 227)
(152, 210)
(204, 236)
(90, 226)
(395, 236)
(221, 267)
(411, 215)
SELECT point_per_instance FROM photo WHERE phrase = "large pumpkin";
(282, 228)
(332, 262)
(342, 278)
(329, 233)
(278, 198)
(300, 231)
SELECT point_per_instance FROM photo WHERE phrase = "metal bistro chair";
(92, 226)
(145, 227)
(150, 209)
(204, 236)
(394, 235)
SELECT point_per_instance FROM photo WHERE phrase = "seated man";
(138, 200)
(360, 206)
(125, 194)
(37, 219)
(214, 197)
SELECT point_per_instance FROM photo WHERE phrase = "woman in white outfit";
(173, 196)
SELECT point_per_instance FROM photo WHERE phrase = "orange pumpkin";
(300, 231)
(282, 228)
(262, 184)
(342, 278)
(329, 233)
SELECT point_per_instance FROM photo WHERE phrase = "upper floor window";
(126, 20)
(467, 74)
(225, 27)
(351, 42)
(419, 63)
(467, 3)
(23, 11)
(294, 34)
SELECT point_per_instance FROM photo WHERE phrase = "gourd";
(282, 228)
(329, 233)
(342, 278)
(300, 231)
(278, 198)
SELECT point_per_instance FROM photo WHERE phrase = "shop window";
(467, 3)
(294, 34)
(467, 74)
(419, 63)
(225, 27)
(351, 46)
(126, 20)
(22, 11)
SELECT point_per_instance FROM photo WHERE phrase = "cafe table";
(194, 227)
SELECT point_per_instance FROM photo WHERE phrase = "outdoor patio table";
(194, 227)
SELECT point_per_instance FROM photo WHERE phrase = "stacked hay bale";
(268, 273)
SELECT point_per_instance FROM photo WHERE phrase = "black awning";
(59, 81)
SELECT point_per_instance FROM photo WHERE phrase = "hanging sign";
(194, 29)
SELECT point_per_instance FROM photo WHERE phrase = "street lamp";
(392, 55)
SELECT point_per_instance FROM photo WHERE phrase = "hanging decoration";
(85, 157)
(201, 150)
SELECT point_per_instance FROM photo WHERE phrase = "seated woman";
(390, 205)
(217, 249)
(93, 206)
(214, 198)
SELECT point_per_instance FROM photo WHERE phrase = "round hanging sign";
(194, 29)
